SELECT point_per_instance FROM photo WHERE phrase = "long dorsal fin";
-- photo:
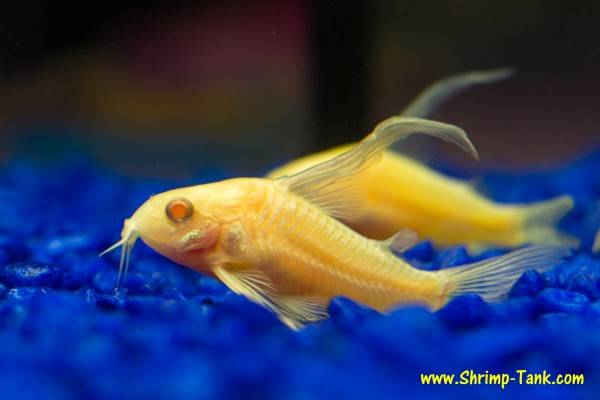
(333, 185)
(433, 98)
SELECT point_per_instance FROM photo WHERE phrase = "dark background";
(164, 88)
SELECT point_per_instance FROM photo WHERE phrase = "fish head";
(183, 225)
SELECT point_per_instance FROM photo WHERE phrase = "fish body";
(403, 193)
(257, 226)
(277, 241)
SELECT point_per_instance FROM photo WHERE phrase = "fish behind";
(278, 242)
(404, 193)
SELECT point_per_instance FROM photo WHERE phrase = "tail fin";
(492, 278)
(539, 221)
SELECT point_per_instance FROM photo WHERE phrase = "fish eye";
(179, 209)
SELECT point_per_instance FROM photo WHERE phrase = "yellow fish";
(403, 193)
(275, 241)
(596, 245)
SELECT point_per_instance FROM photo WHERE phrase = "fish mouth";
(128, 239)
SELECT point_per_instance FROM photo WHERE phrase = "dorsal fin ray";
(332, 184)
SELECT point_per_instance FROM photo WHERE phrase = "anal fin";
(293, 310)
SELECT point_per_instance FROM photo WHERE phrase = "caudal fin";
(492, 278)
(539, 221)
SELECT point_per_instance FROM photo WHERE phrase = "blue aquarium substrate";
(171, 333)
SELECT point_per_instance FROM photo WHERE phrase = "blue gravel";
(174, 334)
(30, 273)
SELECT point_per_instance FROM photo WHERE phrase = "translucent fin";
(539, 221)
(294, 311)
(596, 246)
(491, 279)
(333, 184)
(431, 100)
(438, 93)
(403, 240)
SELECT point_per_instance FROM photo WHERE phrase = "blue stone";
(586, 285)
(529, 284)
(71, 281)
(105, 281)
(452, 257)
(137, 283)
(465, 311)
(143, 304)
(421, 252)
(595, 309)
(109, 302)
(12, 250)
(168, 291)
(31, 274)
(88, 295)
(554, 300)
(73, 242)
(347, 313)
(26, 293)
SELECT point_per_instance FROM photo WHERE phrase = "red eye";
(179, 209)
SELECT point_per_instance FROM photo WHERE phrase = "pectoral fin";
(293, 310)
(334, 185)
